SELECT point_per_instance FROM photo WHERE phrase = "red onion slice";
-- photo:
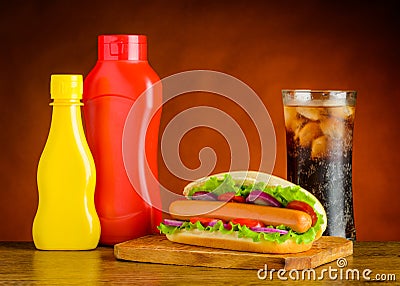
(260, 198)
(269, 230)
(204, 196)
(212, 223)
(172, 222)
(226, 197)
(227, 226)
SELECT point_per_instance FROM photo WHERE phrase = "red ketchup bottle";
(121, 74)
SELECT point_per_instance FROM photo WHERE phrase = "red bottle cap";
(122, 47)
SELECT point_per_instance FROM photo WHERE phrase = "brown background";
(268, 45)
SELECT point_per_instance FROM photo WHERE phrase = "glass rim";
(287, 90)
(307, 97)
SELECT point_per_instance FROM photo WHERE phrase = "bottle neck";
(122, 51)
(66, 102)
(66, 117)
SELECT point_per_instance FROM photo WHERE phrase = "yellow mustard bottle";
(66, 218)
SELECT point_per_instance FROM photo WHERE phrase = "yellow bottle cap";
(66, 86)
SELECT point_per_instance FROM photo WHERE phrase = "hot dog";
(247, 211)
(297, 220)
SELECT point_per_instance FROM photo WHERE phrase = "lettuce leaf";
(217, 186)
(246, 189)
(219, 226)
(288, 194)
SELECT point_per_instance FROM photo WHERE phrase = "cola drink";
(319, 136)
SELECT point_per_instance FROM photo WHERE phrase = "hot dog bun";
(231, 241)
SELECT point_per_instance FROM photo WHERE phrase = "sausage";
(185, 209)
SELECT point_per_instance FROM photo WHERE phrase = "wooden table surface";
(21, 263)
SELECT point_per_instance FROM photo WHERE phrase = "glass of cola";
(319, 140)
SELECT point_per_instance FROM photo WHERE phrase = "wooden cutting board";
(158, 249)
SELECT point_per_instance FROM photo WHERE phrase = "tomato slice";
(247, 222)
(304, 207)
(231, 197)
(239, 199)
(203, 220)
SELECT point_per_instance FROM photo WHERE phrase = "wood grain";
(158, 249)
(21, 264)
